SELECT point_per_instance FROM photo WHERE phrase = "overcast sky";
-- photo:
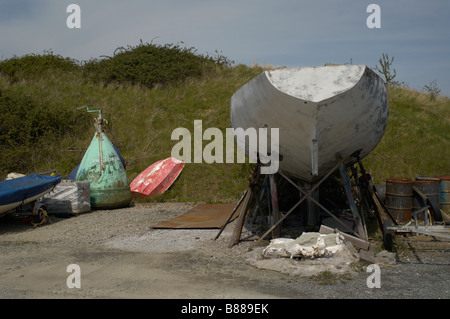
(290, 33)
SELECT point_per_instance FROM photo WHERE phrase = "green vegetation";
(432, 90)
(149, 65)
(147, 91)
(417, 138)
(33, 66)
(385, 69)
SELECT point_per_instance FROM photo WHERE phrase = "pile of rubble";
(311, 245)
(313, 253)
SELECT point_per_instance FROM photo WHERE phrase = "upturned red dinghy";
(157, 178)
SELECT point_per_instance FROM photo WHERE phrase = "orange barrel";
(399, 198)
(444, 193)
(429, 186)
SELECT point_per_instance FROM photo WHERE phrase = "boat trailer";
(35, 212)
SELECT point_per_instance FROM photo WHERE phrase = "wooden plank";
(248, 196)
(348, 191)
(231, 215)
(357, 242)
(240, 223)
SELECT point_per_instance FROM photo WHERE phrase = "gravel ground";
(120, 256)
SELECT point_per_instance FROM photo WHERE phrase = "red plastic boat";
(157, 178)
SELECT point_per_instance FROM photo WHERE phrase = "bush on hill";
(32, 65)
(148, 64)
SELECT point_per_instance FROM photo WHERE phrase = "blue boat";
(23, 190)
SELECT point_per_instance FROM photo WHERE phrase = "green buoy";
(101, 166)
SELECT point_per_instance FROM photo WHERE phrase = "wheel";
(388, 235)
(39, 216)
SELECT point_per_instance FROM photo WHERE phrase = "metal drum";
(429, 186)
(444, 193)
(399, 198)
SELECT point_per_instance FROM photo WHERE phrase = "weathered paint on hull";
(320, 111)
(109, 186)
(157, 178)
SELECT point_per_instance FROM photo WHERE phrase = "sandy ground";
(120, 256)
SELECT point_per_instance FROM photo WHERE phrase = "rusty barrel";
(399, 198)
(429, 186)
(444, 193)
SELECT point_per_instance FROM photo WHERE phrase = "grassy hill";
(147, 91)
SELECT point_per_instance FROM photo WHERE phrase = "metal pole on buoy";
(102, 167)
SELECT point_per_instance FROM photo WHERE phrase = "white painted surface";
(320, 111)
(316, 83)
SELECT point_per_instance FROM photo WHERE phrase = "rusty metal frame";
(442, 231)
(437, 230)
(366, 195)
(340, 164)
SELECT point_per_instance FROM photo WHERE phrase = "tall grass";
(417, 139)
(141, 119)
(41, 128)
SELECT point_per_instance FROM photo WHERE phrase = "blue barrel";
(444, 193)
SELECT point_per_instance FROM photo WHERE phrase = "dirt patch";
(120, 256)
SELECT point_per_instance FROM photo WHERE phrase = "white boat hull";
(320, 112)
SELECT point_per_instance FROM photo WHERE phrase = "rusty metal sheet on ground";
(202, 216)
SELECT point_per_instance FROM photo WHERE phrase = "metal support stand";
(360, 233)
(366, 198)
(371, 200)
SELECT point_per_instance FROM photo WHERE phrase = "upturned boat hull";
(24, 190)
(157, 178)
(319, 111)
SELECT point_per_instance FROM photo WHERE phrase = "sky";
(291, 33)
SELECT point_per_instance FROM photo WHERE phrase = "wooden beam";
(231, 215)
(240, 222)
(357, 242)
(275, 209)
(351, 201)
(241, 219)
